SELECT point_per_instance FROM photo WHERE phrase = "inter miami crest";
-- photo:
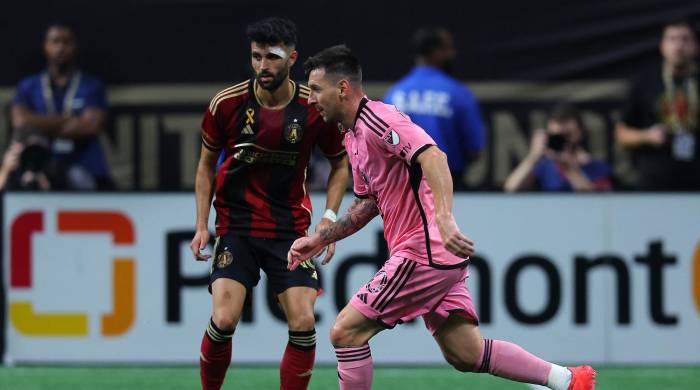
(378, 282)
(293, 132)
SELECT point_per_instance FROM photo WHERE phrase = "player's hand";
(455, 242)
(199, 243)
(303, 249)
(330, 248)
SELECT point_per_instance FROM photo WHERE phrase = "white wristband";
(330, 215)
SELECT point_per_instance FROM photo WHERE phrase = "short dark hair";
(62, 25)
(679, 23)
(337, 60)
(565, 111)
(427, 39)
(273, 31)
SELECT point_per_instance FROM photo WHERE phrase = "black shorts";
(240, 258)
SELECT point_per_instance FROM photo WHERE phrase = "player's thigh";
(460, 341)
(228, 297)
(352, 328)
(272, 254)
(298, 305)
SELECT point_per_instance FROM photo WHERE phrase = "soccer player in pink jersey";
(398, 172)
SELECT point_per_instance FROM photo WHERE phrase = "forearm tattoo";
(360, 212)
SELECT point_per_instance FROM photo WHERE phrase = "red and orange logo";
(22, 314)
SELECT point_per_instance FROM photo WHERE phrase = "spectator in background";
(440, 104)
(26, 165)
(660, 118)
(69, 108)
(558, 159)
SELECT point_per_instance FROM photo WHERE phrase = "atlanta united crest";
(223, 259)
(293, 132)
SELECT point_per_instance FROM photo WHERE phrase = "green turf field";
(174, 378)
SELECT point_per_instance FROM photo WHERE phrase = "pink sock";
(354, 368)
(510, 361)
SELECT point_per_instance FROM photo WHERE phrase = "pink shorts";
(404, 289)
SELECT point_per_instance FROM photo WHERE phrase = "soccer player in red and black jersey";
(266, 130)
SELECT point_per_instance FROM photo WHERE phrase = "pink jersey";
(383, 147)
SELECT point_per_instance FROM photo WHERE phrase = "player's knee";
(340, 336)
(463, 359)
(225, 319)
(306, 321)
(463, 362)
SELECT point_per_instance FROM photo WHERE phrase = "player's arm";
(360, 212)
(437, 173)
(337, 183)
(204, 191)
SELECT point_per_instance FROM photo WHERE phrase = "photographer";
(26, 165)
(558, 159)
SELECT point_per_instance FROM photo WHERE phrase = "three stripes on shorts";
(395, 284)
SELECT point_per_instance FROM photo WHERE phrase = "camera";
(34, 158)
(556, 142)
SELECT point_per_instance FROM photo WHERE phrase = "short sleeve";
(633, 107)
(405, 139)
(23, 94)
(212, 135)
(96, 96)
(330, 140)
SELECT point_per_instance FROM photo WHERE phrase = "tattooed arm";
(360, 212)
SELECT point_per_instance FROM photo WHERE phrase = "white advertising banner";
(598, 279)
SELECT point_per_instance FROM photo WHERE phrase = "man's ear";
(343, 87)
(293, 56)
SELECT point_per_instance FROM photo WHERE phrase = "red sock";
(298, 360)
(214, 357)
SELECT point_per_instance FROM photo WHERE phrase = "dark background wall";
(166, 41)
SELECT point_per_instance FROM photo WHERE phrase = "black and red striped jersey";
(260, 185)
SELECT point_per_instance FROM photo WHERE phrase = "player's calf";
(298, 360)
(214, 356)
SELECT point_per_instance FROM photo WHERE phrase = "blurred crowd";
(57, 117)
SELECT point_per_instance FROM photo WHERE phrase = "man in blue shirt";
(69, 107)
(440, 104)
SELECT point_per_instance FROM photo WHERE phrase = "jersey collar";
(362, 104)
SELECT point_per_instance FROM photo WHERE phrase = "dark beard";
(276, 81)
